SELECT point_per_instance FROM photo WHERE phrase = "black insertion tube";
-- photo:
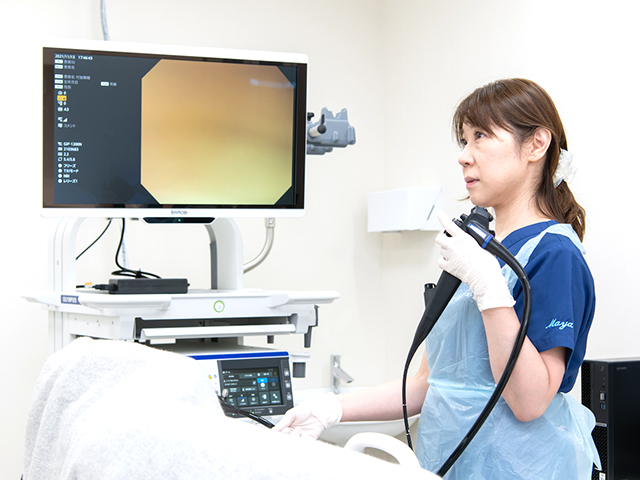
(436, 300)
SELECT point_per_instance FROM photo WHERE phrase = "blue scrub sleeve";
(563, 301)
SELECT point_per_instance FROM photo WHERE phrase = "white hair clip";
(565, 170)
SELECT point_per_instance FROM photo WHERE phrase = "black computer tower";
(611, 390)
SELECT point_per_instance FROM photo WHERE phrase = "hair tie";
(565, 170)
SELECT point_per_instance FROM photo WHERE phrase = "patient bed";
(106, 409)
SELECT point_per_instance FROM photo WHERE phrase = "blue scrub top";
(563, 295)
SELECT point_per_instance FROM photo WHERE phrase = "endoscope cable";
(232, 409)
(435, 304)
(437, 297)
(511, 261)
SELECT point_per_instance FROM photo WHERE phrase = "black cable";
(96, 240)
(436, 298)
(127, 272)
(228, 408)
(510, 260)
(436, 301)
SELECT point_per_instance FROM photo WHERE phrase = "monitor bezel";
(50, 209)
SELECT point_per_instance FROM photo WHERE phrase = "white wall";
(399, 66)
(582, 53)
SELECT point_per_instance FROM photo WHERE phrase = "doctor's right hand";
(311, 418)
(463, 258)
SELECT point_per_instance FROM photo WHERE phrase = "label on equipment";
(72, 299)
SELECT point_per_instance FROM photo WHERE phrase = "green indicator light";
(218, 306)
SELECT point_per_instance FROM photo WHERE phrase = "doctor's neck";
(512, 217)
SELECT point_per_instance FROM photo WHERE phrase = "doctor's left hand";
(463, 258)
(311, 418)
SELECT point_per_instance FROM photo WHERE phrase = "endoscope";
(437, 297)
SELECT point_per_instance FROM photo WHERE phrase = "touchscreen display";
(252, 387)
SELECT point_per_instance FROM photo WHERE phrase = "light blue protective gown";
(556, 446)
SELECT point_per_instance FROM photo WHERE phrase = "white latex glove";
(311, 418)
(463, 258)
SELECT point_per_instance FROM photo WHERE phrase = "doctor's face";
(494, 169)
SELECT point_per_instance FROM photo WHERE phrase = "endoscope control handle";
(429, 290)
(475, 224)
(437, 297)
(441, 295)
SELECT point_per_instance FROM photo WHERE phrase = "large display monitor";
(135, 131)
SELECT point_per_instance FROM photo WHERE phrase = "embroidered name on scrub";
(555, 323)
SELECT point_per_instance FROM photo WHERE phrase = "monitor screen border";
(50, 209)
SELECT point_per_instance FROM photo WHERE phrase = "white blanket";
(108, 409)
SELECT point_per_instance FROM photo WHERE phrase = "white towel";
(117, 410)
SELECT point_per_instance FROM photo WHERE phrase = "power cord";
(96, 240)
(127, 272)
(124, 272)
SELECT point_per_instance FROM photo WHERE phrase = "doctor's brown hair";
(520, 107)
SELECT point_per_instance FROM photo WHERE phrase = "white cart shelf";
(226, 310)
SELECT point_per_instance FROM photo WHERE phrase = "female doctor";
(514, 159)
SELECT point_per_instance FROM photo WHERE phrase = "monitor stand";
(225, 246)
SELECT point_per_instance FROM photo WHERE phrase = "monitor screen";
(172, 132)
